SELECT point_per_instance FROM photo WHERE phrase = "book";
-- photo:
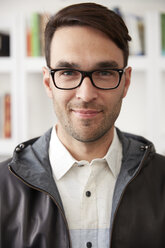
(1, 115)
(35, 34)
(7, 116)
(43, 20)
(4, 44)
(163, 33)
(136, 30)
(28, 38)
(141, 30)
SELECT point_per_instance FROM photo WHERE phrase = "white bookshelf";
(32, 112)
(9, 82)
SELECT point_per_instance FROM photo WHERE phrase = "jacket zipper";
(47, 193)
(137, 173)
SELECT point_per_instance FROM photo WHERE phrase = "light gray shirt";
(86, 190)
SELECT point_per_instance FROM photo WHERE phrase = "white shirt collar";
(60, 158)
(62, 161)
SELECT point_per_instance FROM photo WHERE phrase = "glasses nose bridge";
(87, 74)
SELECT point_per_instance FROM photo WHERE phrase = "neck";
(87, 150)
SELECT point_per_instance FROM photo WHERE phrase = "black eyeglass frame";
(86, 74)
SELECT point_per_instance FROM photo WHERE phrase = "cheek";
(111, 96)
(113, 99)
(61, 99)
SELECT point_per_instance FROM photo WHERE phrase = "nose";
(86, 91)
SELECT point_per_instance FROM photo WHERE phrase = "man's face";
(85, 113)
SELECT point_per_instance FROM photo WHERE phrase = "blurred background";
(25, 110)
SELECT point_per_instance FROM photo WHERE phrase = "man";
(84, 183)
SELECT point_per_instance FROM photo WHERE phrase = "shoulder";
(4, 166)
(5, 173)
(8, 182)
(136, 146)
(158, 160)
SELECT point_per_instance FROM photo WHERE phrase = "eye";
(68, 73)
(104, 73)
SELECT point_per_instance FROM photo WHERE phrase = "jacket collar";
(31, 164)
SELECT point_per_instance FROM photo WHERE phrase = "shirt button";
(88, 193)
(89, 244)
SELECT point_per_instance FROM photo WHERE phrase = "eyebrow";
(65, 64)
(107, 64)
(100, 65)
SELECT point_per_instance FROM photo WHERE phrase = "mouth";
(86, 113)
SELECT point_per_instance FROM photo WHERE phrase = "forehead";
(83, 45)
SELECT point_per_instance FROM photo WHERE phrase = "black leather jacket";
(32, 215)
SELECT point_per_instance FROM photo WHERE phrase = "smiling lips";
(86, 113)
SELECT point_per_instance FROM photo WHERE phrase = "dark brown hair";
(93, 15)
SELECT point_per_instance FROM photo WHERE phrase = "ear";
(47, 82)
(127, 80)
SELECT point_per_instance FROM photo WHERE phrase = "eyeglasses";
(68, 79)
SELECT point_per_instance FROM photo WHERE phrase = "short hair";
(92, 15)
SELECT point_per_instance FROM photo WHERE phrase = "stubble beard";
(90, 130)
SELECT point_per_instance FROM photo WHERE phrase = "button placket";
(89, 213)
(89, 206)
